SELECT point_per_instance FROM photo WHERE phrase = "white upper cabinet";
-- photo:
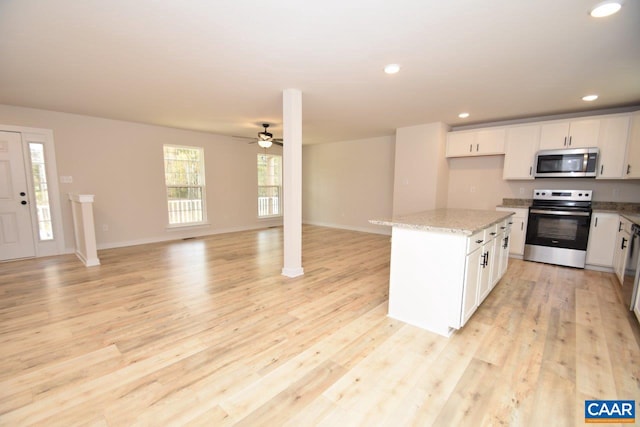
(460, 144)
(632, 168)
(614, 132)
(569, 134)
(519, 152)
(483, 142)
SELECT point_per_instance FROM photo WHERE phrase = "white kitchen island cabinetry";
(518, 230)
(439, 260)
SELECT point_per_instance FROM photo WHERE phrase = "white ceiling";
(220, 66)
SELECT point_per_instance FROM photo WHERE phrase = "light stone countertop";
(635, 218)
(458, 221)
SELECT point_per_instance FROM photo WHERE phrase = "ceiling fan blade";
(279, 142)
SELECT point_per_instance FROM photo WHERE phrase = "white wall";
(476, 182)
(121, 163)
(420, 172)
(345, 184)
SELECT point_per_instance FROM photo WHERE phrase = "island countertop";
(458, 221)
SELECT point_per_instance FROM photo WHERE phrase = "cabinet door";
(519, 152)
(632, 170)
(518, 233)
(461, 144)
(554, 135)
(583, 133)
(486, 260)
(622, 247)
(504, 252)
(602, 239)
(614, 132)
(489, 141)
(494, 260)
(470, 294)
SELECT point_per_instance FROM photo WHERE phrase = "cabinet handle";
(477, 147)
(502, 228)
(530, 170)
(569, 141)
(479, 241)
(601, 169)
(510, 222)
(506, 242)
(565, 141)
(619, 225)
(628, 169)
(470, 148)
(522, 226)
(622, 246)
(596, 224)
(493, 233)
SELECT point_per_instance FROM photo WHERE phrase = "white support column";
(292, 182)
(84, 229)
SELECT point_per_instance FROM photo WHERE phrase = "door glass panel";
(557, 229)
(41, 191)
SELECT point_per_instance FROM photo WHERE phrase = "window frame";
(280, 213)
(202, 186)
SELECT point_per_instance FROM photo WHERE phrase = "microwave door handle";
(585, 162)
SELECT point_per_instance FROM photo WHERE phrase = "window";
(184, 178)
(269, 185)
(41, 190)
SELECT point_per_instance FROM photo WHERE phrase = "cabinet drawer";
(475, 241)
(504, 226)
(491, 232)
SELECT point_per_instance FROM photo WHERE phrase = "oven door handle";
(565, 213)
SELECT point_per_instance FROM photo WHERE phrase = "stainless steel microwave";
(570, 163)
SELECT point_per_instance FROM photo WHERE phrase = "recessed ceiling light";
(606, 8)
(589, 98)
(463, 115)
(392, 68)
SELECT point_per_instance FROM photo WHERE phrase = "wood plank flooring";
(206, 332)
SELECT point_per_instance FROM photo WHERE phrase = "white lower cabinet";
(623, 235)
(438, 280)
(473, 263)
(504, 243)
(518, 229)
(602, 239)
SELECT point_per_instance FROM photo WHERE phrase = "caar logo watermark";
(609, 411)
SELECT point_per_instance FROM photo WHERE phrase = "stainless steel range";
(558, 227)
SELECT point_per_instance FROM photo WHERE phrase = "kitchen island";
(444, 262)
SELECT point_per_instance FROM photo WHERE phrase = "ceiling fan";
(265, 138)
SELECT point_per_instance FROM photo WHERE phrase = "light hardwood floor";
(207, 332)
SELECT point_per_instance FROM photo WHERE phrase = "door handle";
(623, 243)
(24, 202)
(22, 193)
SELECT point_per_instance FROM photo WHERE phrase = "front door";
(16, 232)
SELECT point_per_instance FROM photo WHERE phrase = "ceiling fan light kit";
(264, 143)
